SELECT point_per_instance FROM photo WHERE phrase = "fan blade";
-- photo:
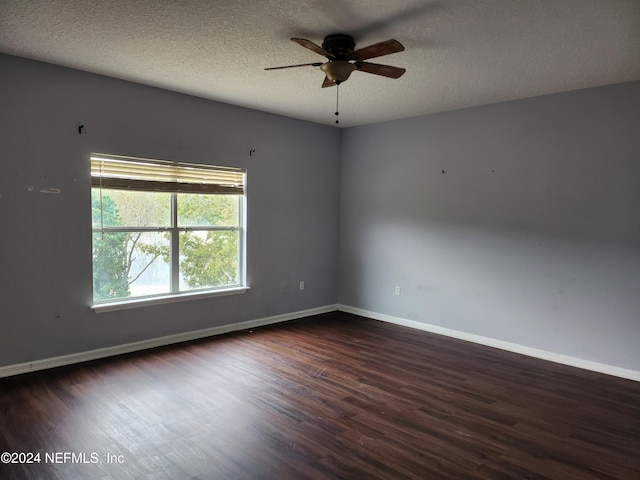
(314, 64)
(312, 46)
(377, 69)
(327, 83)
(377, 50)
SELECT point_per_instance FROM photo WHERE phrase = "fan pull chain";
(337, 96)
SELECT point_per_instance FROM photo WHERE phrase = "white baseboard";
(491, 342)
(43, 364)
(79, 357)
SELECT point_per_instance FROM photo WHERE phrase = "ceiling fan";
(339, 48)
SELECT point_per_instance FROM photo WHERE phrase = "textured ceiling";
(459, 53)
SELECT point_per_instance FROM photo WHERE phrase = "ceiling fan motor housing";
(339, 45)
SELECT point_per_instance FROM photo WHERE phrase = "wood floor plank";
(334, 396)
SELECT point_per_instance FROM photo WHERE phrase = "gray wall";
(45, 239)
(531, 235)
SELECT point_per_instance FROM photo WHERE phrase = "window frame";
(175, 294)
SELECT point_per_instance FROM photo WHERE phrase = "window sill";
(182, 297)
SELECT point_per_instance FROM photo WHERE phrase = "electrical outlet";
(301, 285)
(397, 290)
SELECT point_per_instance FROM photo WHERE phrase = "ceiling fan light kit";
(339, 49)
(338, 71)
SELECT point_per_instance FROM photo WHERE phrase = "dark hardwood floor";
(329, 397)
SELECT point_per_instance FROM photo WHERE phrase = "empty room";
(299, 239)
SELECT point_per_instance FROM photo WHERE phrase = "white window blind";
(165, 176)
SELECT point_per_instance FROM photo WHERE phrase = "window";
(164, 228)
